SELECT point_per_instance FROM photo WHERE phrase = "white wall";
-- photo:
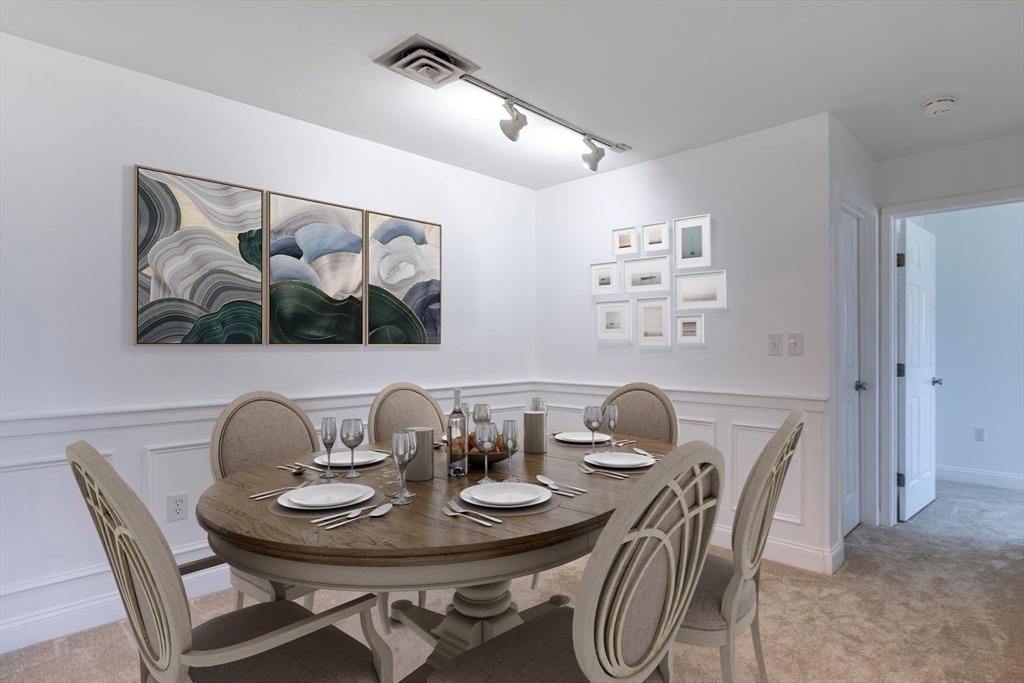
(979, 327)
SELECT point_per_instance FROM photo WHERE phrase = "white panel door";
(849, 369)
(917, 450)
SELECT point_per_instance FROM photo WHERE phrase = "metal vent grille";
(426, 62)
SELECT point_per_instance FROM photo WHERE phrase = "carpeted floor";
(940, 598)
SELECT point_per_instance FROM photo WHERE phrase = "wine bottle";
(458, 439)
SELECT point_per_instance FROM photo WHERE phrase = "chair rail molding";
(795, 469)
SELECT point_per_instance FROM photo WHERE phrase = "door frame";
(888, 328)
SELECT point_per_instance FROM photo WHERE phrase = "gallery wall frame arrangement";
(604, 278)
(700, 291)
(624, 241)
(693, 242)
(655, 237)
(646, 274)
(614, 322)
(653, 325)
(690, 330)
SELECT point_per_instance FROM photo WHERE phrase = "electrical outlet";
(979, 433)
(177, 507)
(796, 343)
(775, 344)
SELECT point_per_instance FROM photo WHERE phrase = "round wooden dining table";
(417, 547)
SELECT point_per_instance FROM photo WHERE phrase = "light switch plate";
(796, 343)
(775, 344)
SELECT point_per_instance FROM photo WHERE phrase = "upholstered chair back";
(403, 406)
(645, 411)
(644, 568)
(259, 427)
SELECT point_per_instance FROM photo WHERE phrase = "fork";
(452, 513)
(277, 492)
(458, 508)
(591, 470)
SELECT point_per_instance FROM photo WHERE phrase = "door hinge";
(901, 481)
(901, 260)
(901, 370)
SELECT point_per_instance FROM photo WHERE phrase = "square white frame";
(702, 261)
(648, 231)
(661, 304)
(624, 334)
(597, 289)
(698, 339)
(716, 279)
(631, 249)
(660, 262)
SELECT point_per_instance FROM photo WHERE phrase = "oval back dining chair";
(634, 592)
(727, 595)
(645, 411)
(266, 642)
(256, 428)
(403, 406)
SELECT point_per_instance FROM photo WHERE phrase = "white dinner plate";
(325, 496)
(581, 437)
(341, 459)
(618, 460)
(505, 495)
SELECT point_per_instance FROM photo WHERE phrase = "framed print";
(696, 291)
(613, 321)
(316, 272)
(404, 275)
(624, 241)
(690, 329)
(654, 237)
(199, 251)
(693, 242)
(653, 322)
(604, 278)
(646, 274)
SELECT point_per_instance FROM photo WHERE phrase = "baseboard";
(965, 475)
(797, 555)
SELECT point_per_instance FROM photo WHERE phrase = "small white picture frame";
(624, 241)
(692, 242)
(655, 237)
(604, 278)
(690, 330)
(700, 291)
(646, 274)
(653, 324)
(613, 321)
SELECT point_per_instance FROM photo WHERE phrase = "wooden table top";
(416, 534)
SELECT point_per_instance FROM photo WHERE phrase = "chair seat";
(538, 651)
(241, 580)
(325, 655)
(705, 610)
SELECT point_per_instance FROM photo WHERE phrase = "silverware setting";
(321, 521)
(451, 513)
(279, 491)
(458, 508)
(591, 470)
(310, 467)
(649, 455)
(294, 470)
(551, 484)
(623, 443)
(377, 512)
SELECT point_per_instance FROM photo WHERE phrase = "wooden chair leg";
(727, 653)
(755, 634)
(239, 599)
(535, 582)
(665, 667)
(421, 600)
(383, 612)
(307, 601)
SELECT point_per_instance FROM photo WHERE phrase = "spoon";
(377, 512)
(550, 483)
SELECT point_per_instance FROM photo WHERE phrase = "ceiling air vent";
(427, 62)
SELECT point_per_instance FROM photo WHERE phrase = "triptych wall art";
(683, 246)
(226, 264)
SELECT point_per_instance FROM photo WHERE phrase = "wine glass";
(328, 434)
(486, 439)
(466, 411)
(403, 450)
(611, 416)
(352, 436)
(592, 421)
(510, 434)
(481, 413)
(538, 405)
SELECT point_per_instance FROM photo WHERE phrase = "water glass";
(611, 417)
(352, 436)
(403, 451)
(466, 411)
(486, 439)
(538, 405)
(510, 434)
(592, 420)
(328, 434)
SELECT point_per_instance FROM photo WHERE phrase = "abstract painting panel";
(199, 250)
(404, 293)
(316, 272)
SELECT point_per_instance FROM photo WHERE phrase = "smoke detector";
(938, 106)
(427, 62)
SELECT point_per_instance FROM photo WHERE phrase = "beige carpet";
(940, 598)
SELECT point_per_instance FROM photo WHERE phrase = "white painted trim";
(21, 465)
(837, 555)
(713, 424)
(810, 404)
(966, 475)
(793, 554)
(737, 483)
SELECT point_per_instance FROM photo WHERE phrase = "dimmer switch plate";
(796, 343)
(775, 344)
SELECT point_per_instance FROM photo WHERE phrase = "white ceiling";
(660, 76)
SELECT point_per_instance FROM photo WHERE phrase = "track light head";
(593, 158)
(511, 127)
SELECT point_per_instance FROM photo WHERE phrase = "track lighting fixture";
(511, 127)
(592, 158)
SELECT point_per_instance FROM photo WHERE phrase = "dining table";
(417, 547)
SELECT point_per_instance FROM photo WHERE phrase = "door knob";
(936, 380)
(861, 386)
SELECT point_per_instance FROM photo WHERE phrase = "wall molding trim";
(737, 485)
(797, 555)
(810, 404)
(20, 465)
(966, 475)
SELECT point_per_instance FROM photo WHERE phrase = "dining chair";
(645, 411)
(267, 642)
(726, 600)
(633, 594)
(256, 428)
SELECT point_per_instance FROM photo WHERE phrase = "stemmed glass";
(486, 439)
(403, 450)
(352, 436)
(611, 416)
(328, 434)
(510, 434)
(538, 405)
(481, 413)
(466, 411)
(592, 421)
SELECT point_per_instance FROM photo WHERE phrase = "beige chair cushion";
(644, 414)
(705, 610)
(324, 655)
(404, 409)
(259, 432)
(539, 651)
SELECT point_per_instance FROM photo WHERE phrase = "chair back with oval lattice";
(403, 406)
(141, 561)
(645, 411)
(645, 565)
(256, 428)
